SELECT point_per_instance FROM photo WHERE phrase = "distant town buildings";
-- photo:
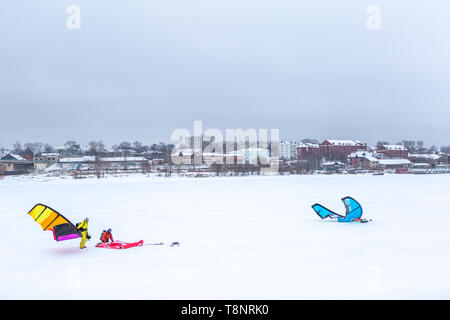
(329, 149)
(331, 155)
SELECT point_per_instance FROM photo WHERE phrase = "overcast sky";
(137, 70)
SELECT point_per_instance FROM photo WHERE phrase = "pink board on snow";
(119, 245)
(67, 237)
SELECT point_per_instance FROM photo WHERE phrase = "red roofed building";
(393, 151)
(331, 148)
(306, 150)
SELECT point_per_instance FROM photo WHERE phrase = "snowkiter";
(107, 236)
(83, 228)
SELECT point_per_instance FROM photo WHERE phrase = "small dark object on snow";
(175, 244)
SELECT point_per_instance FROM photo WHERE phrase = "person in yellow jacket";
(83, 227)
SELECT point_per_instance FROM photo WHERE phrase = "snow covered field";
(241, 238)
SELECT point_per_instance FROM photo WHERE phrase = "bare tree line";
(94, 148)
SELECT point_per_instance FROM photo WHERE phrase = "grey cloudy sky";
(140, 69)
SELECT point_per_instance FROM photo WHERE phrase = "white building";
(48, 157)
(394, 163)
(288, 150)
(252, 155)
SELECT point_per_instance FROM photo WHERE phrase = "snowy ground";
(241, 238)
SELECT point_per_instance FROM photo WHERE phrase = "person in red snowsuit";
(107, 236)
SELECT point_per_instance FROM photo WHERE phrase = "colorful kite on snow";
(50, 219)
(353, 212)
(119, 244)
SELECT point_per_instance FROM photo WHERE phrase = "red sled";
(119, 244)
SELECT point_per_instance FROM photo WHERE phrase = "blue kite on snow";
(353, 212)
